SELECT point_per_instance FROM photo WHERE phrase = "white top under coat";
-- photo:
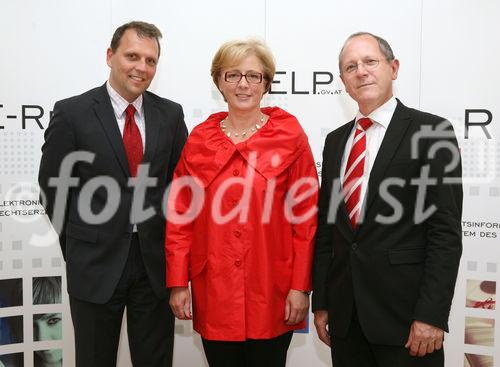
(381, 118)
(120, 104)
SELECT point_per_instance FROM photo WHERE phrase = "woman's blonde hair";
(233, 52)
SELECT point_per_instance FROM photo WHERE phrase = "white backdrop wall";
(449, 52)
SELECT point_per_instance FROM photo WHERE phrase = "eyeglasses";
(251, 77)
(369, 64)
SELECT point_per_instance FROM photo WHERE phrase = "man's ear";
(395, 68)
(109, 54)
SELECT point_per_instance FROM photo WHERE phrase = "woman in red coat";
(241, 219)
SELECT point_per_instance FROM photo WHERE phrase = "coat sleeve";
(181, 134)
(59, 142)
(443, 228)
(323, 245)
(179, 231)
(302, 199)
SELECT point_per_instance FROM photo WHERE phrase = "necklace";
(230, 131)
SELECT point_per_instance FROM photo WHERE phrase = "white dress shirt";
(120, 104)
(381, 118)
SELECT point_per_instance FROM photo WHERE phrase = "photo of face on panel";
(47, 358)
(46, 290)
(47, 326)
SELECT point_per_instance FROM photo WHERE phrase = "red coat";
(241, 270)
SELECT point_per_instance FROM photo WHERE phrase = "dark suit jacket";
(397, 272)
(95, 254)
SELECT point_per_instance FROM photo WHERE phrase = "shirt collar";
(120, 104)
(383, 114)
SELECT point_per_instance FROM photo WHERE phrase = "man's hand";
(180, 303)
(296, 307)
(424, 339)
(321, 323)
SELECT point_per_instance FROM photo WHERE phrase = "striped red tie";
(132, 141)
(353, 176)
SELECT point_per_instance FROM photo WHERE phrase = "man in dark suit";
(389, 233)
(120, 145)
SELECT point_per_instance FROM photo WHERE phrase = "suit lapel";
(395, 132)
(106, 116)
(152, 120)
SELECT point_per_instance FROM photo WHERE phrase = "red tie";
(353, 176)
(132, 141)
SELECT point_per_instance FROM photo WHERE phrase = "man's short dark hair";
(143, 29)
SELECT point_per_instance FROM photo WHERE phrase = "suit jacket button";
(354, 246)
(237, 263)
